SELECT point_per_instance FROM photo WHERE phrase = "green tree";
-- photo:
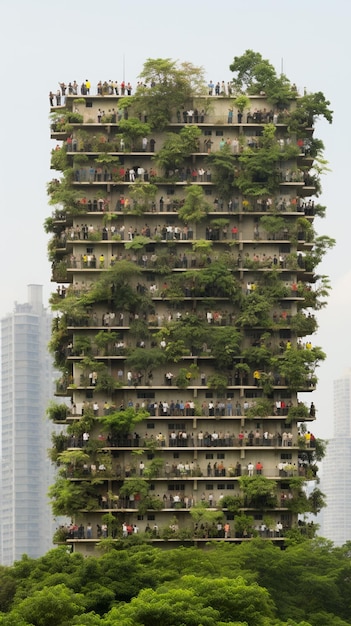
(177, 147)
(132, 129)
(123, 422)
(195, 207)
(55, 605)
(168, 85)
(259, 491)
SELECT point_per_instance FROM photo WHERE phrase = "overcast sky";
(44, 42)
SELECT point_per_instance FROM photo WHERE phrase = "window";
(230, 517)
(219, 133)
(150, 425)
(88, 104)
(140, 518)
(209, 486)
(176, 455)
(177, 426)
(145, 394)
(230, 486)
(176, 487)
(286, 456)
(209, 455)
(221, 486)
(220, 455)
(208, 133)
(151, 517)
(252, 394)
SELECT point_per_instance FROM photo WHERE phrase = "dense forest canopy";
(251, 584)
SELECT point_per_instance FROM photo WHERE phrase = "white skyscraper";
(27, 386)
(336, 479)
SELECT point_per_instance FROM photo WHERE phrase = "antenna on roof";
(124, 68)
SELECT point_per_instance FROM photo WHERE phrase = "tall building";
(27, 385)
(184, 249)
(335, 481)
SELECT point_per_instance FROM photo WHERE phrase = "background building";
(184, 248)
(336, 470)
(27, 386)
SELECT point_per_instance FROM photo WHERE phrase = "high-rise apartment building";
(27, 377)
(335, 481)
(184, 250)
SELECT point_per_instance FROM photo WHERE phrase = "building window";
(150, 425)
(176, 487)
(209, 455)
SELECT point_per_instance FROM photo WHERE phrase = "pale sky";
(44, 42)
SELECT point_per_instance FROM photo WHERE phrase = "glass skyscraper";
(27, 386)
(336, 479)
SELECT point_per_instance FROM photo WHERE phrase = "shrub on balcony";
(57, 412)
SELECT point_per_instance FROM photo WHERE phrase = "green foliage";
(132, 129)
(225, 170)
(67, 498)
(259, 174)
(59, 160)
(298, 366)
(54, 605)
(272, 224)
(224, 342)
(257, 75)
(255, 311)
(169, 85)
(123, 422)
(57, 412)
(177, 147)
(259, 491)
(195, 206)
(218, 382)
(142, 194)
(261, 408)
(146, 360)
(298, 412)
(242, 102)
(308, 108)
(303, 325)
(252, 583)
